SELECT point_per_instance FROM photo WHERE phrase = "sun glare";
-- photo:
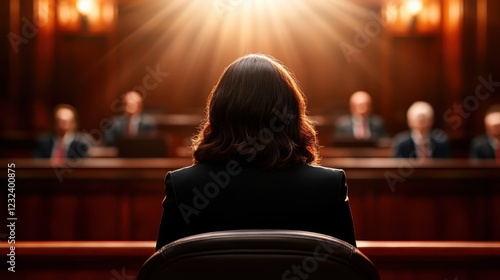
(414, 7)
(85, 6)
(204, 36)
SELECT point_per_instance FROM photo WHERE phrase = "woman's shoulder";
(201, 167)
(319, 170)
(203, 171)
(198, 168)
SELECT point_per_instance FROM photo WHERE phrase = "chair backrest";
(258, 254)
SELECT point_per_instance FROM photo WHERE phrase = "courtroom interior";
(99, 99)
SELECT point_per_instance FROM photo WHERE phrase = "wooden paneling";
(82, 76)
(415, 75)
(5, 49)
(17, 102)
(122, 260)
(117, 199)
(191, 45)
(433, 260)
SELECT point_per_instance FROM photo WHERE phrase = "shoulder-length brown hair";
(256, 115)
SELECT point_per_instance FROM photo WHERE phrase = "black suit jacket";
(481, 148)
(79, 147)
(344, 127)
(203, 198)
(147, 124)
(404, 146)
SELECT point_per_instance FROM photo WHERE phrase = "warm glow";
(43, 11)
(391, 12)
(108, 13)
(454, 11)
(412, 15)
(433, 15)
(85, 6)
(89, 15)
(414, 7)
(207, 34)
(64, 13)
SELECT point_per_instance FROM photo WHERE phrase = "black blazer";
(344, 127)
(481, 148)
(79, 147)
(203, 198)
(147, 124)
(404, 146)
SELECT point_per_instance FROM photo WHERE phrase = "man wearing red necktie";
(133, 122)
(360, 123)
(64, 142)
(421, 141)
(487, 146)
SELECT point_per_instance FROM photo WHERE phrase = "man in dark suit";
(360, 124)
(487, 146)
(421, 141)
(132, 123)
(64, 142)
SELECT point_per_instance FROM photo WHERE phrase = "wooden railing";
(116, 199)
(428, 260)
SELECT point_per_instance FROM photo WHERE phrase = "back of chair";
(258, 255)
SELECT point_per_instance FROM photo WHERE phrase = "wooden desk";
(326, 152)
(117, 199)
(361, 152)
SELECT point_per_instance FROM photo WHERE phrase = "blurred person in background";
(421, 141)
(132, 123)
(64, 142)
(487, 146)
(361, 123)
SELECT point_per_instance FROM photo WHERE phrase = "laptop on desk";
(142, 147)
(351, 142)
